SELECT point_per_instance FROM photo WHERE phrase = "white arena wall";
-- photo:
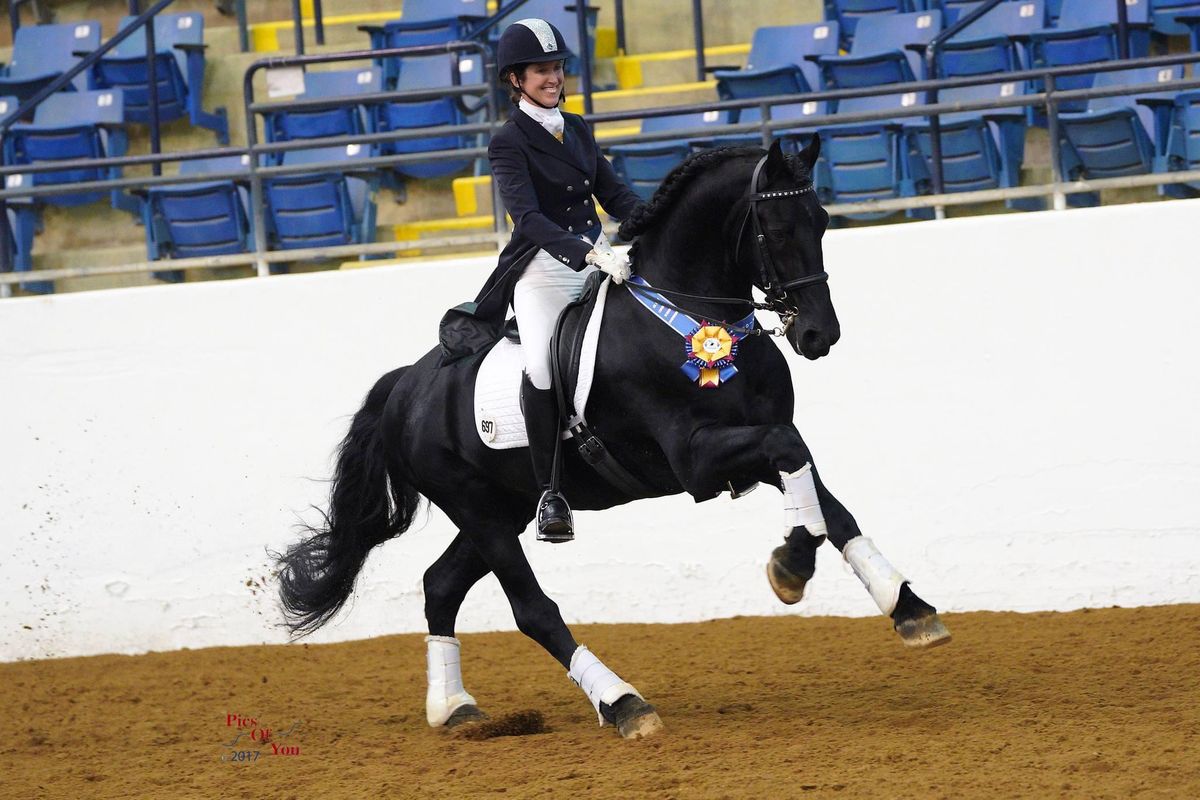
(1011, 414)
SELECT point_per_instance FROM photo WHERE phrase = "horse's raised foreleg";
(776, 454)
(537, 616)
(447, 581)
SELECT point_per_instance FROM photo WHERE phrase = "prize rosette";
(710, 353)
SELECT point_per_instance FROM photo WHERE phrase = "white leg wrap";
(600, 683)
(800, 506)
(446, 693)
(882, 580)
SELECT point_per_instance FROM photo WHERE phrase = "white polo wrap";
(800, 505)
(600, 683)
(445, 694)
(882, 580)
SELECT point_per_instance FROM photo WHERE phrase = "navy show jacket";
(547, 188)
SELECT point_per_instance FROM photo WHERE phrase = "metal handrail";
(901, 88)
(14, 16)
(498, 239)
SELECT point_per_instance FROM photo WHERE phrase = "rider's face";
(543, 82)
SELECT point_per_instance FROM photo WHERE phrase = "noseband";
(769, 281)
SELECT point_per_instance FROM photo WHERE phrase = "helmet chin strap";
(538, 103)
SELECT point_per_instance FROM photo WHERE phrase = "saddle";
(498, 418)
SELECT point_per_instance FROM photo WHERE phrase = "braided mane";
(676, 182)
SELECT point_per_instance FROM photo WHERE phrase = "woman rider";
(547, 167)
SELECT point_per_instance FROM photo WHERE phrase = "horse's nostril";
(813, 343)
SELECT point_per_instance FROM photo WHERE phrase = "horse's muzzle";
(812, 343)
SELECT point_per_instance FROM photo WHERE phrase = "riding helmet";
(530, 41)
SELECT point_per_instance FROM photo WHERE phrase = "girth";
(566, 346)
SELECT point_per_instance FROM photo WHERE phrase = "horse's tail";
(316, 575)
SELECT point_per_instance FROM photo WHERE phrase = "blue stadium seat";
(980, 149)
(848, 13)
(800, 113)
(779, 63)
(1183, 143)
(644, 165)
(987, 45)
(1087, 32)
(887, 49)
(429, 72)
(1118, 136)
(179, 64)
(1165, 15)
(68, 126)
(951, 9)
(22, 221)
(336, 120)
(424, 22)
(199, 219)
(873, 160)
(41, 53)
(556, 13)
(322, 208)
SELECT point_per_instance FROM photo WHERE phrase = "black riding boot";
(542, 426)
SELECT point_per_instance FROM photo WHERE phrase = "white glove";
(610, 262)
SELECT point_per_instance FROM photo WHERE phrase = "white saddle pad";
(498, 418)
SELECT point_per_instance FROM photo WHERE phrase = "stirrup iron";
(554, 520)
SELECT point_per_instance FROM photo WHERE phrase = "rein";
(768, 276)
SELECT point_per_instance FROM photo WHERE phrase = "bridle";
(768, 277)
(769, 281)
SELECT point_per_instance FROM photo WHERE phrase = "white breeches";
(544, 289)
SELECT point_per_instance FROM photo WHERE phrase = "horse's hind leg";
(537, 616)
(447, 581)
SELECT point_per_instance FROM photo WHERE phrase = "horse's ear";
(808, 156)
(776, 164)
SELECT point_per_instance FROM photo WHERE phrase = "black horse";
(722, 222)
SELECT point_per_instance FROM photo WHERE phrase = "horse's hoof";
(466, 716)
(924, 631)
(635, 718)
(787, 585)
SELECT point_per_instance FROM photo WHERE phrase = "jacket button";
(570, 229)
(570, 188)
(566, 260)
(587, 202)
(586, 182)
(591, 222)
(568, 208)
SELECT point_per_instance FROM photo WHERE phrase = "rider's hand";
(609, 261)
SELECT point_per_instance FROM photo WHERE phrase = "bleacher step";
(646, 97)
(674, 66)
